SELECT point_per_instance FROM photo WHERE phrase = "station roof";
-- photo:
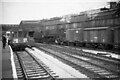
(16, 29)
(29, 22)
(7, 27)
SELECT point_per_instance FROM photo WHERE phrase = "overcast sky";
(13, 11)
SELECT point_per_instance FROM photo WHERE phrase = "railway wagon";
(54, 30)
(50, 34)
(99, 37)
(70, 36)
(117, 38)
(31, 26)
(38, 37)
(75, 36)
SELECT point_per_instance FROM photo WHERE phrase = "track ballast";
(29, 68)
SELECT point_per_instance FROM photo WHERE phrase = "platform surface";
(0, 59)
(6, 63)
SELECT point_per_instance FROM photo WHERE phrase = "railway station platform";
(0, 59)
(7, 72)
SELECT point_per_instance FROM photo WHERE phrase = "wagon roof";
(95, 28)
(75, 29)
(30, 21)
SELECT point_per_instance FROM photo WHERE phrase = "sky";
(13, 11)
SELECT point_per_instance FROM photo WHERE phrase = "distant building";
(7, 27)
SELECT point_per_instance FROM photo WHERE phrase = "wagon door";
(106, 38)
(70, 35)
(102, 36)
(94, 36)
(117, 37)
(79, 35)
(86, 36)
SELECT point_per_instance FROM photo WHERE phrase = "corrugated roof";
(30, 21)
(96, 28)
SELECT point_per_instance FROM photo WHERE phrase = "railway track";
(87, 54)
(28, 68)
(97, 71)
(107, 62)
(78, 51)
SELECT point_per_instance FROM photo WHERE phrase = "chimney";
(112, 5)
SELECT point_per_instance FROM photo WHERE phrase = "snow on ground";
(83, 58)
(61, 69)
(102, 52)
(94, 52)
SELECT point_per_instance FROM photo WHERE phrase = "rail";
(93, 68)
(30, 67)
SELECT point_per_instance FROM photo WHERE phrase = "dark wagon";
(117, 37)
(99, 37)
(75, 36)
(31, 26)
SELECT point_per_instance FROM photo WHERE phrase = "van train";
(95, 28)
(98, 37)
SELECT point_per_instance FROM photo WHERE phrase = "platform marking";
(13, 64)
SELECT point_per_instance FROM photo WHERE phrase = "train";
(98, 37)
(98, 28)
(18, 39)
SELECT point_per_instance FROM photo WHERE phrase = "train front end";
(19, 39)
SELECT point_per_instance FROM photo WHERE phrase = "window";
(19, 33)
(24, 34)
(74, 25)
(31, 33)
(15, 34)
